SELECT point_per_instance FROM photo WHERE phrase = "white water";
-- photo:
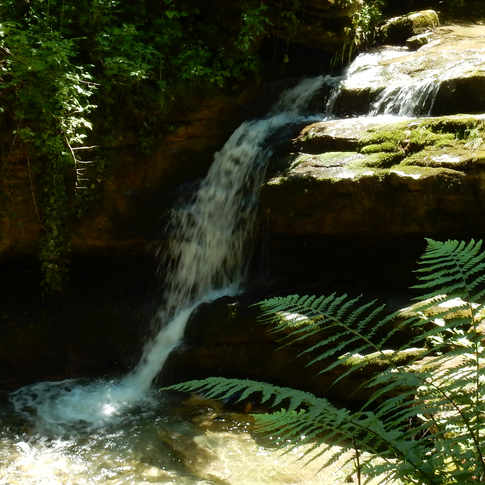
(207, 258)
(411, 99)
(406, 90)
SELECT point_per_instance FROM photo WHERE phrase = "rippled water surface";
(167, 442)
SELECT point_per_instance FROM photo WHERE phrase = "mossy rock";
(398, 29)
(438, 142)
(414, 177)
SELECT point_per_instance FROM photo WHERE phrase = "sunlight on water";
(161, 446)
(113, 431)
(404, 82)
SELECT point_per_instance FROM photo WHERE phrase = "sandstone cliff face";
(138, 189)
(142, 188)
(20, 224)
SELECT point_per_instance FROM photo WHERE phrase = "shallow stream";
(164, 442)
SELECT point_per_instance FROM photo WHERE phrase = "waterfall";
(415, 99)
(403, 92)
(210, 244)
(210, 237)
(207, 257)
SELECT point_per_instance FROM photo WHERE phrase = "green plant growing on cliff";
(50, 116)
(363, 30)
(423, 421)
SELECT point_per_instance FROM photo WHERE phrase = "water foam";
(407, 90)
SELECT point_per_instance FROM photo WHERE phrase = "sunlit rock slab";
(411, 177)
(449, 70)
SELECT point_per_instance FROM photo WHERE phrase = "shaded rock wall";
(139, 187)
(97, 328)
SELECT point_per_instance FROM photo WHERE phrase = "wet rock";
(461, 95)
(224, 338)
(417, 41)
(398, 29)
(335, 135)
(448, 73)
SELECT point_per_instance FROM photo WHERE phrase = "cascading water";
(208, 258)
(210, 245)
(210, 238)
(402, 94)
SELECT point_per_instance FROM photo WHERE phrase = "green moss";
(381, 160)
(423, 136)
(424, 19)
(385, 137)
(404, 138)
(385, 146)
(458, 158)
(450, 142)
(386, 358)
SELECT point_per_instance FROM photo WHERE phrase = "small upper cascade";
(416, 99)
(396, 80)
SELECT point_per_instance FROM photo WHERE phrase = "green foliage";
(424, 420)
(363, 30)
(49, 105)
(66, 65)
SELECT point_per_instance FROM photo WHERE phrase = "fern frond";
(424, 409)
(454, 268)
(224, 388)
(339, 323)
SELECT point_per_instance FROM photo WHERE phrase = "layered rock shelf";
(379, 177)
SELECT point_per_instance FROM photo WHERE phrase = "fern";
(423, 421)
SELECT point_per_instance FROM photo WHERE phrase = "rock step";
(408, 178)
